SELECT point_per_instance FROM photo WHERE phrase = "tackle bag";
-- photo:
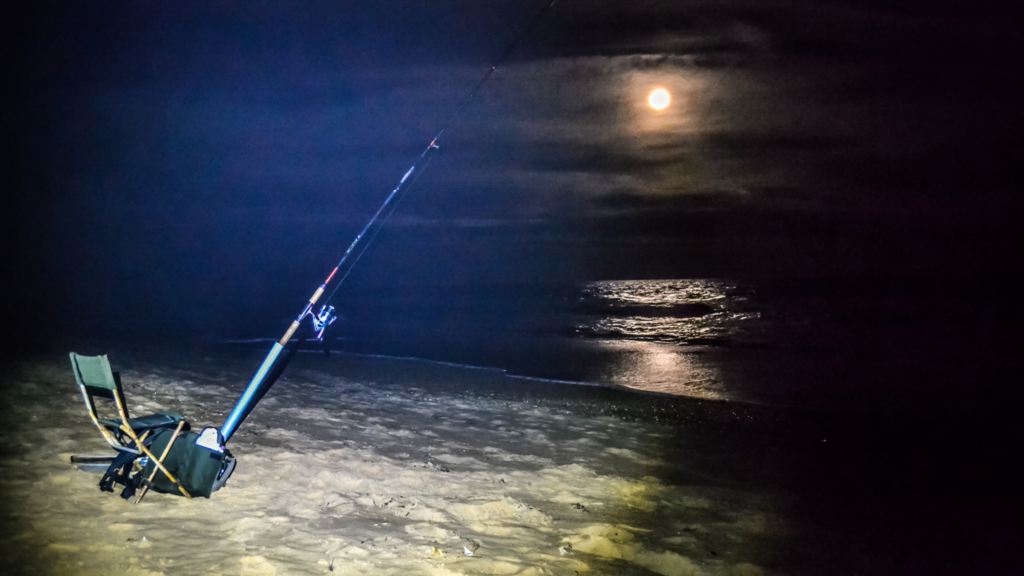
(200, 470)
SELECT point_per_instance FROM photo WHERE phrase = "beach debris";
(467, 551)
(437, 467)
(580, 507)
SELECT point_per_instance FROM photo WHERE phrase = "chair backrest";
(95, 378)
(93, 371)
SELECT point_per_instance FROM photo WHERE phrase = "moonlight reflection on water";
(653, 367)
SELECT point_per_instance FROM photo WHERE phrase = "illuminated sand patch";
(351, 478)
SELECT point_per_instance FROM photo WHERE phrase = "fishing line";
(271, 368)
(504, 55)
(377, 231)
(432, 146)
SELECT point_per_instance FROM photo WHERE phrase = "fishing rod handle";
(298, 321)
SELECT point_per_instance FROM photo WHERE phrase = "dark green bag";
(200, 470)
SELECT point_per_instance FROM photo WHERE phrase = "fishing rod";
(271, 368)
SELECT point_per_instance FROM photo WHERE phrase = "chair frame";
(112, 389)
(116, 394)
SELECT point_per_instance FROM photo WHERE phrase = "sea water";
(864, 343)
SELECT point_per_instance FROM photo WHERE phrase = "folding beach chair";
(97, 380)
(129, 436)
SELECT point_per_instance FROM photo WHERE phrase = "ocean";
(872, 345)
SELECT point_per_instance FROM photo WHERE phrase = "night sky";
(183, 164)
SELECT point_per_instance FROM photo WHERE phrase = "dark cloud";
(190, 150)
(744, 143)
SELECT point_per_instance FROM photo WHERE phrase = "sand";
(340, 472)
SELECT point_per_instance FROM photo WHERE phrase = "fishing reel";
(321, 321)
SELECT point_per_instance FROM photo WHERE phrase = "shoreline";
(835, 492)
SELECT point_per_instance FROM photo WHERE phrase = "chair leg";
(128, 430)
(167, 450)
(156, 461)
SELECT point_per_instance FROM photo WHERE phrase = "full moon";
(659, 99)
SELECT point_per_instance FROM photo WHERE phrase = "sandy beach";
(357, 465)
